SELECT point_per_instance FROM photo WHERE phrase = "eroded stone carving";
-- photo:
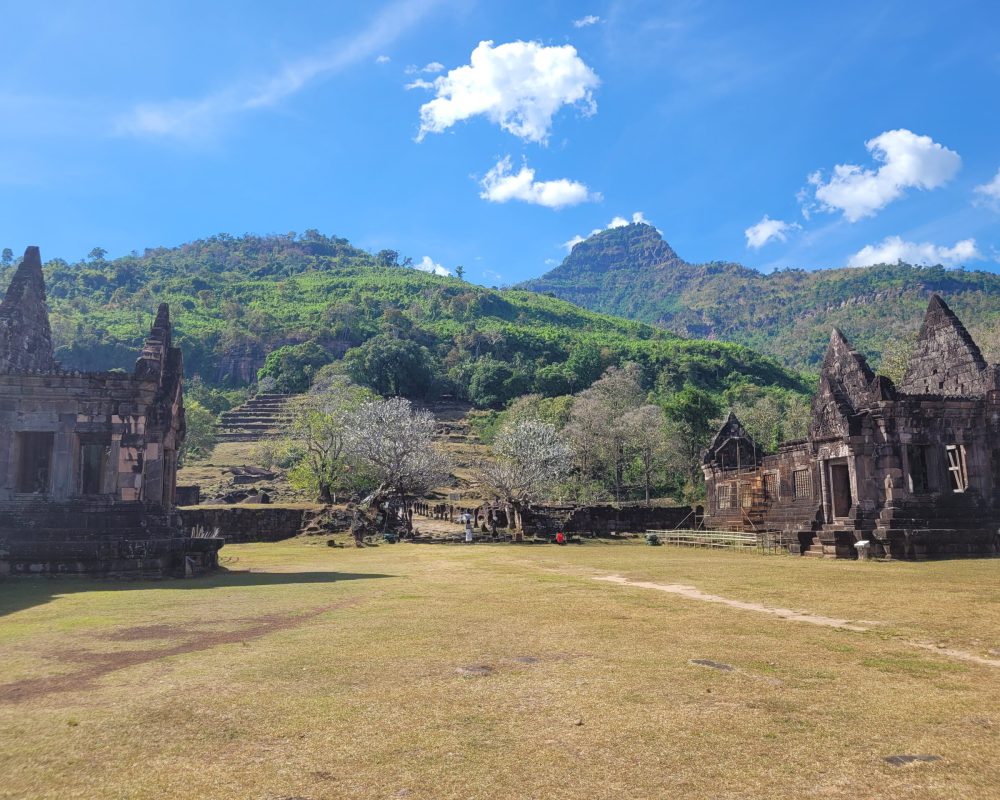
(88, 461)
(914, 469)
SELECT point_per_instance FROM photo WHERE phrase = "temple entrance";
(840, 490)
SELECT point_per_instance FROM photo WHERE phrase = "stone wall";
(238, 524)
(606, 519)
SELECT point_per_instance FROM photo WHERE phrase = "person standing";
(467, 519)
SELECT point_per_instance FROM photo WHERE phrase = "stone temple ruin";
(88, 460)
(913, 469)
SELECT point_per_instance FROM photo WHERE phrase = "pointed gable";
(847, 372)
(733, 447)
(25, 335)
(945, 359)
(154, 353)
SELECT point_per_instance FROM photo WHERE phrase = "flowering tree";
(393, 445)
(529, 457)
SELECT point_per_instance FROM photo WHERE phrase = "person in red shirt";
(560, 538)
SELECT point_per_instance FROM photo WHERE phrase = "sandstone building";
(88, 460)
(914, 468)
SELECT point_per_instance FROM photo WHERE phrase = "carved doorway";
(840, 489)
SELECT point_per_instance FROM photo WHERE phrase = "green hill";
(292, 303)
(630, 271)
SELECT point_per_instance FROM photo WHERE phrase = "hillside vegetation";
(288, 304)
(632, 272)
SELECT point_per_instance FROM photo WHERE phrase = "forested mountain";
(631, 272)
(288, 304)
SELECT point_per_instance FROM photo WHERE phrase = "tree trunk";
(325, 494)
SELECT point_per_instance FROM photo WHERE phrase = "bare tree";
(529, 457)
(393, 445)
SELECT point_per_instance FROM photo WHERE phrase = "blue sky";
(773, 134)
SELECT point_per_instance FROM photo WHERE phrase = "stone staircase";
(836, 539)
(261, 417)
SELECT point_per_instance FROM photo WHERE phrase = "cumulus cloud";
(893, 249)
(427, 264)
(989, 193)
(767, 229)
(519, 86)
(501, 185)
(638, 218)
(583, 22)
(383, 60)
(909, 161)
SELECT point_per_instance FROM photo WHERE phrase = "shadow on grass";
(20, 592)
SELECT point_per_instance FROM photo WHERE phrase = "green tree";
(7, 257)
(293, 366)
(692, 419)
(318, 426)
(97, 254)
(393, 367)
(460, 272)
(201, 432)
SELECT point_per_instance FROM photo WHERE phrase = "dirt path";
(696, 594)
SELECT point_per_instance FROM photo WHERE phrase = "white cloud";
(501, 185)
(908, 161)
(583, 22)
(197, 118)
(419, 83)
(767, 229)
(518, 85)
(990, 193)
(638, 218)
(893, 249)
(427, 264)
(383, 60)
(431, 69)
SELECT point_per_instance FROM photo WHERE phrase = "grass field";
(427, 671)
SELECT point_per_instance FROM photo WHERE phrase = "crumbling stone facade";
(88, 460)
(913, 469)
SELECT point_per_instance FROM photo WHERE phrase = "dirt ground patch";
(99, 664)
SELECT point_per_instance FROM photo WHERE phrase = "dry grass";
(500, 671)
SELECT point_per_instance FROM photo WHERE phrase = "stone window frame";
(802, 487)
(958, 468)
(926, 483)
(724, 496)
(84, 440)
(21, 441)
(772, 492)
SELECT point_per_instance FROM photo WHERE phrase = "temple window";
(772, 490)
(94, 456)
(724, 496)
(957, 469)
(802, 484)
(919, 474)
(34, 462)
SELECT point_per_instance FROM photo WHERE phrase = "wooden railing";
(760, 542)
